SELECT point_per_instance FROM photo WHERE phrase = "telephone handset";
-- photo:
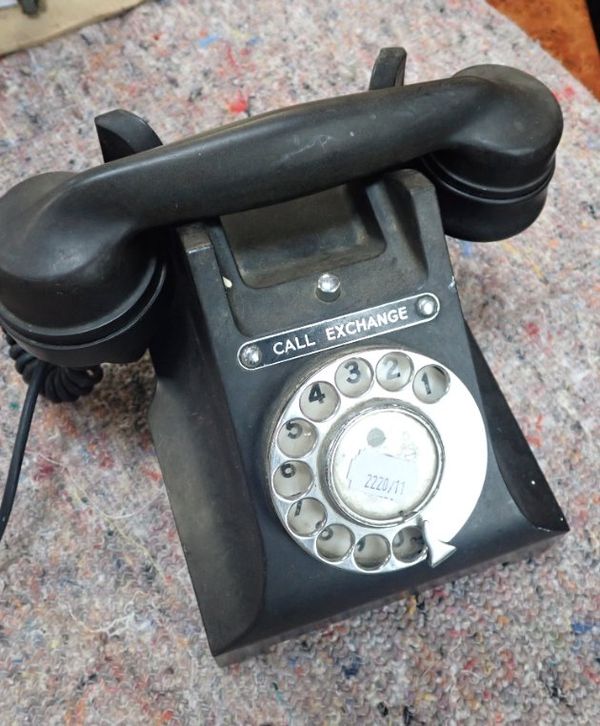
(328, 430)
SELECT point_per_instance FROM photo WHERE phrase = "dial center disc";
(384, 464)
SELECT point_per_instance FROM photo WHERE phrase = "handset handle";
(503, 124)
(288, 153)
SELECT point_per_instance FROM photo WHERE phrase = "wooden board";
(18, 31)
(564, 29)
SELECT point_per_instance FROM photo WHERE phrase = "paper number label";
(381, 476)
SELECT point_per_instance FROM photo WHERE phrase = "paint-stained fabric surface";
(98, 622)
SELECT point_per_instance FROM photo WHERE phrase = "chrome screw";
(251, 356)
(328, 287)
(426, 306)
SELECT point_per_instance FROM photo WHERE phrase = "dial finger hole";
(394, 371)
(306, 517)
(334, 542)
(296, 437)
(292, 479)
(353, 377)
(371, 552)
(319, 400)
(408, 544)
(431, 383)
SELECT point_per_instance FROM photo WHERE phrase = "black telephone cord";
(61, 385)
(55, 383)
(16, 461)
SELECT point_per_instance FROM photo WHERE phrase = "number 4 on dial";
(316, 395)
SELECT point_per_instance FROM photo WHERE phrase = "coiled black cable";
(55, 383)
(61, 385)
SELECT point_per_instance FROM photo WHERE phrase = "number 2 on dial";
(393, 369)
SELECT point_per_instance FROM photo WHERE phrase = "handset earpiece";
(493, 176)
(492, 179)
(78, 283)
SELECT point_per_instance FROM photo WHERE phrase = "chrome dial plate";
(377, 460)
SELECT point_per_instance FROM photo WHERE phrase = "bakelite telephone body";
(329, 432)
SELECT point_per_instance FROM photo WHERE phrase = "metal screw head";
(426, 306)
(328, 287)
(251, 356)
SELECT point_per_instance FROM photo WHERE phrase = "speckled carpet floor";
(98, 622)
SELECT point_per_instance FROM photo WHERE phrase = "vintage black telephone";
(329, 432)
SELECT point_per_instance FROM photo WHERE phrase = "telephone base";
(254, 584)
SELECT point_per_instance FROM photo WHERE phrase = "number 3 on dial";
(352, 367)
(353, 377)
